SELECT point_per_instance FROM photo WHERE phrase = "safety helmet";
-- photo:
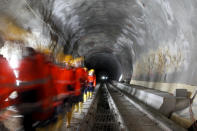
(91, 72)
(68, 58)
(68, 61)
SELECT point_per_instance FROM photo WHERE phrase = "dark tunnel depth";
(105, 64)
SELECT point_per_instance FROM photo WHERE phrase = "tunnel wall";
(168, 43)
(166, 57)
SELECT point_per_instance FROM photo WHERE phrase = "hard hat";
(68, 58)
(91, 72)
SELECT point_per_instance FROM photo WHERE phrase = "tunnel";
(149, 44)
(105, 65)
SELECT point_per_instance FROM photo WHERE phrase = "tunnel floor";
(104, 118)
(111, 110)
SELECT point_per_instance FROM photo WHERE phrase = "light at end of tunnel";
(120, 78)
(104, 78)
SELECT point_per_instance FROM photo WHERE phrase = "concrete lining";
(163, 102)
(181, 117)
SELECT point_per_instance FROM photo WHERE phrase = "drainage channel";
(105, 117)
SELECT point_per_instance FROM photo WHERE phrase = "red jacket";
(90, 79)
(63, 80)
(36, 85)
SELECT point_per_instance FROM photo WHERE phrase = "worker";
(35, 90)
(69, 79)
(80, 76)
(91, 83)
(61, 79)
(63, 82)
(57, 119)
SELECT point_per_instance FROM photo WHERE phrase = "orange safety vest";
(92, 79)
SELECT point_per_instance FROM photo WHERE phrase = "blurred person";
(55, 121)
(80, 76)
(63, 81)
(71, 80)
(34, 90)
(91, 83)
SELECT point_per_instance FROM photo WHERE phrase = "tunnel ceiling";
(151, 40)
